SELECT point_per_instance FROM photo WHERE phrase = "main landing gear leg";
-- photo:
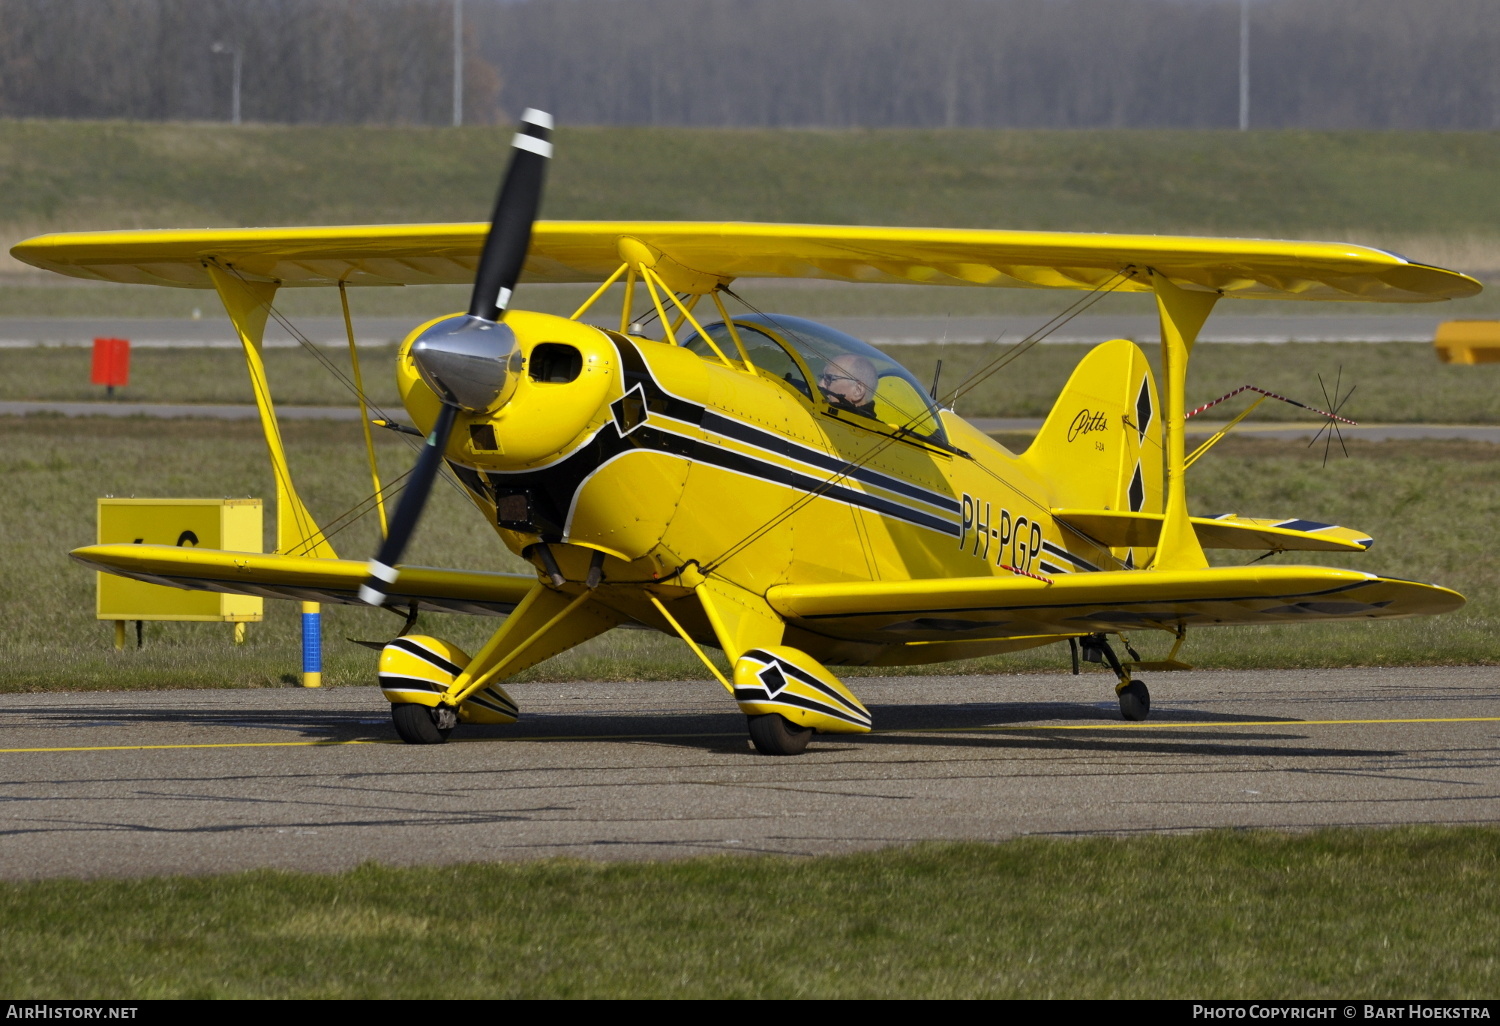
(1135, 698)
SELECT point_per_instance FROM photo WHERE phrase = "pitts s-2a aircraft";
(761, 483)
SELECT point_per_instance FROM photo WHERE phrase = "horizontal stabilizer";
(306, 579)
(998, 608)
(1112, 528)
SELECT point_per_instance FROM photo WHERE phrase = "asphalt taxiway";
(119, 784)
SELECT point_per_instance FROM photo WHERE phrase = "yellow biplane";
(762, 483)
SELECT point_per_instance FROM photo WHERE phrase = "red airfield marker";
(111, 363)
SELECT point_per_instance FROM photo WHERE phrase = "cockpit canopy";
(847, 374)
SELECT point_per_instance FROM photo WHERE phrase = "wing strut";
(1182, 316)
(248, 303)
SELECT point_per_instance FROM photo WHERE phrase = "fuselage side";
(670, 462)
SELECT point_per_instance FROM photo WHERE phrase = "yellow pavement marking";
(1183, 723)
(896, 730)
(225, 744)
(369, 741)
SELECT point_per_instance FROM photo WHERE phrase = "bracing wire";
(363, 507)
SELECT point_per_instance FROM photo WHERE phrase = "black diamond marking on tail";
(1143, 408)
(1137, 491)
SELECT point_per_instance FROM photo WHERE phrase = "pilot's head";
(849, 380)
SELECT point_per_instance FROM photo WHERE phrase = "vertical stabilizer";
(1101, 446)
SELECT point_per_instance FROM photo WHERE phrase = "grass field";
(1406, 494)
(1394, 382)
(1426, 194)
(72, 174)
(1405, 913)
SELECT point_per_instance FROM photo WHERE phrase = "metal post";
(234, 95)
(312, 645)
(1244, 65)
(458, 63)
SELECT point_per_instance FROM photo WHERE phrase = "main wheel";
(1135, 700)
(417, 724)
(775, 735)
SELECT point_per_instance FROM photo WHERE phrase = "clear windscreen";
(848, 374)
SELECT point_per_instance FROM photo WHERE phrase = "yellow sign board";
(231, 524)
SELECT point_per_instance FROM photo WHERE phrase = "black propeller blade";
(413, 498)
(510, 225)
(469, 361)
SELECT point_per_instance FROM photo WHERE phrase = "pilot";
(848, 381)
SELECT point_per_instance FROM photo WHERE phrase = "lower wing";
(1017, 607)
(307, 579)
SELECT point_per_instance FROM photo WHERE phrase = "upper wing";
(307, 579)
(586, 251)
(1017, 607)
(1114, 527)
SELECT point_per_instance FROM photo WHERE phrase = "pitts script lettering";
(1086, 423)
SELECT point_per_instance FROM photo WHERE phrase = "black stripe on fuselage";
(556, 486)
(739, 431)
(659, 401)
(753, 466)
(1062, 553)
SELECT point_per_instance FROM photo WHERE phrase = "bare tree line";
(1315, 64)
(329, 61)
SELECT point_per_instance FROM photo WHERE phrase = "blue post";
(312, 645)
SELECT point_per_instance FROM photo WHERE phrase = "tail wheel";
(775, 735)
(1135, 700)
(418, 725)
